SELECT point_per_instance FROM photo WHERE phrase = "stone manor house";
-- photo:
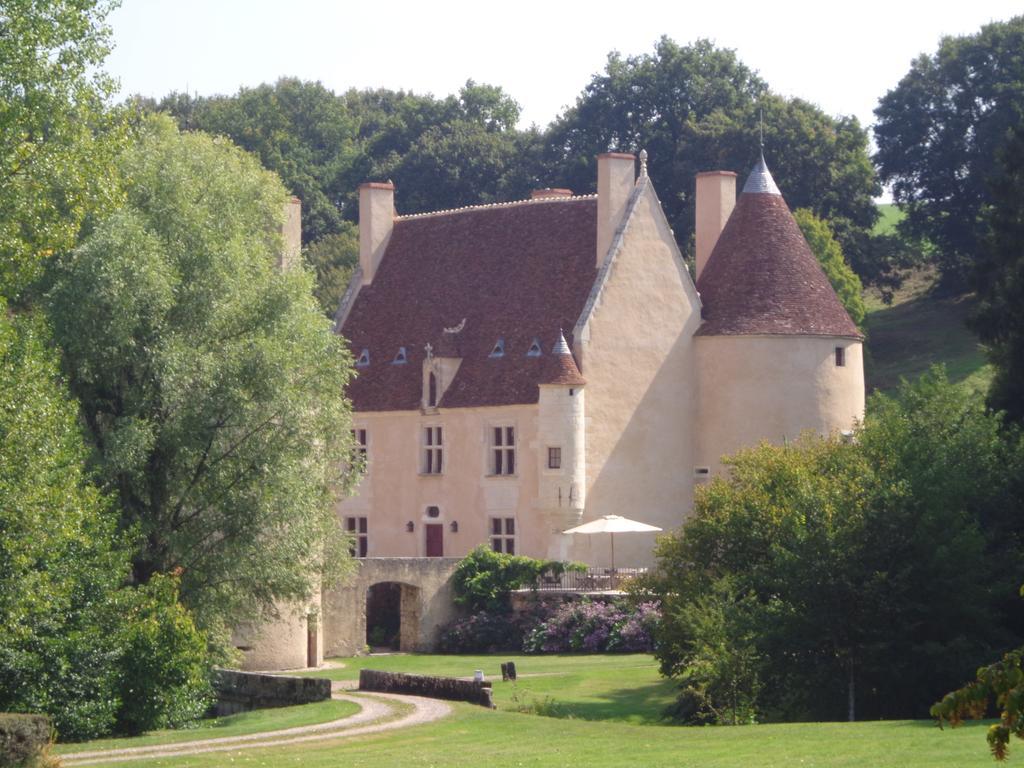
(524, 367)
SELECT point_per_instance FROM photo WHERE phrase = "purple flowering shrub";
(556, 627)
(595, 627)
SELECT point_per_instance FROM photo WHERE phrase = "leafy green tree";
(300, 130)
(55, 139)
(696, 108)
(878, 566)
(999, 280)
(210, 384)
(829, 253)
(333, 259)
(938, 132)
(59, 555)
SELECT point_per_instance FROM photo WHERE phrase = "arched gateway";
(398, 603)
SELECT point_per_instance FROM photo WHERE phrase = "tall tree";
(697, 108)
(938, 133)
(55, 144)
(300, 130)
(209, 381)
(878, 566)
(999, 280)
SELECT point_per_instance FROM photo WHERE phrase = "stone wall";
(426, 604)
(244, 691)
(450, 688)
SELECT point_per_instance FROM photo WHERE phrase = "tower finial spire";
(643, 162)
(761, 130)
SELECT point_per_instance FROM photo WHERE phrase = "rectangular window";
(554, 458)
(359, 447)
(503, 535)
(840, 357)
(357, 528)
(503, 451)
(432, 450)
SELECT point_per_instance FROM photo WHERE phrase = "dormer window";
(364, 359)
(534, 350)
(400, 357)
(499, 349)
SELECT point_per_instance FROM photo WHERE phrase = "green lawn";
(597, 698)
(622, 688)
(233, 725)
(477, 737)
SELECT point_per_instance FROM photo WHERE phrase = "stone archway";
(424, 601)
(392, 616)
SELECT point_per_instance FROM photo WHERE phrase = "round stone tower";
(776, 354)
(561, 455)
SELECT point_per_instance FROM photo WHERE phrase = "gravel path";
(375, 707)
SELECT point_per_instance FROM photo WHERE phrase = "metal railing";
(591, 580)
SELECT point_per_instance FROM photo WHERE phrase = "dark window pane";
(362, 546)
(510, 526)
(438, 436)
(496, 526)
(510, 546)
(496, 545)
(350, 523)
(497, 462)
(510, 436)
(362, 525)
(497, 435)
(511, 461)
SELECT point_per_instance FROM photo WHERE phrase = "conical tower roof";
(762, 278)
(560, 367)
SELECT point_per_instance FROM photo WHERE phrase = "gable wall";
(638, 359)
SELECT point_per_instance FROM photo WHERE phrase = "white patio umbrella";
(612, 524)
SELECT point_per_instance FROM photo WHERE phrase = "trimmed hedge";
(22, 738)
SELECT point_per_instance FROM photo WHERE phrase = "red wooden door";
(435, 540)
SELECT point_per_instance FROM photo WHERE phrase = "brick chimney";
(716, 197)
(291, 235)
(376, 220)
(616, 177)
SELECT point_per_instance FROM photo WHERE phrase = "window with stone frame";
(503, 535)
(503, 451)
(359, 445)
(433, 450)
(358, 530)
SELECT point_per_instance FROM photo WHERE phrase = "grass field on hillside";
(889, 218)
(474, 736)
(919, 330)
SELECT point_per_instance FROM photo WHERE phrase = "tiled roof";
(762, 278)
(514, 272)
(560, 367)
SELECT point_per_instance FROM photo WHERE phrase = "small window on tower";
(400, 357)
(554, 458)
(499, 349)
(840, 356)
(534, 350)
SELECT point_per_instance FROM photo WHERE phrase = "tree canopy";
(55, 143)
(697, 108)
(938, 134)
(848, 577)
(210, 384)
(999, 280)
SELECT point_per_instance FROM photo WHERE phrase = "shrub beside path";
(372, 718)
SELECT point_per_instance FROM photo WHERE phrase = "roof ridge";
(481, 206)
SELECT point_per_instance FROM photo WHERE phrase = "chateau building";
(524, 367)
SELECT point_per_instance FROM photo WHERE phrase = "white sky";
(841, 56)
